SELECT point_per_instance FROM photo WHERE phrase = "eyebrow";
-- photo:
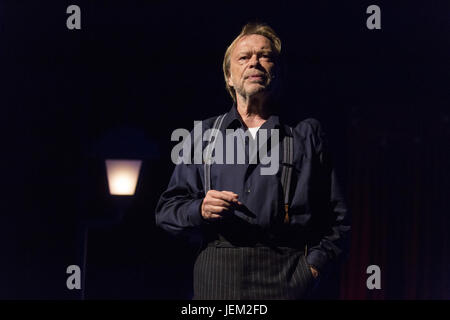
(263, 51)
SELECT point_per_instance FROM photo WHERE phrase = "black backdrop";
(139, 69)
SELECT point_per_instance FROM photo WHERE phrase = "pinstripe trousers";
(247, 273)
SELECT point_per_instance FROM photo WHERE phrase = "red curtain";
(398, 190)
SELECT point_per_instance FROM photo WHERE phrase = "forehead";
(253, 42)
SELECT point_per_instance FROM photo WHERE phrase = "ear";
(229, 81)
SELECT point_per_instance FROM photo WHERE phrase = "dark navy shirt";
(318, 214)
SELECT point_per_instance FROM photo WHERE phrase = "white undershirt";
(253, 131)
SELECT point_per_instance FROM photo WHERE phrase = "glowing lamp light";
(122, 176)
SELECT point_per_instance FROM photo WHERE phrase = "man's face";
(251, 65)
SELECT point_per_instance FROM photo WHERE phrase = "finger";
(213, 193)
(226, 196)
(231, 193)
(216, 193)
(214, 216)
(216, 209)
(218, 202)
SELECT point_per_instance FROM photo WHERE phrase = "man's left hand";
(314, 272)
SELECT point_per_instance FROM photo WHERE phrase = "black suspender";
(209, 150)
(286, 171)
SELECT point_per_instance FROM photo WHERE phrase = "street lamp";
(120, 154)
(122, 176)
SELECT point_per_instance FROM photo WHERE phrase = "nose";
(254, 60)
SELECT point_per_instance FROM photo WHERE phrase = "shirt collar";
(233, 120)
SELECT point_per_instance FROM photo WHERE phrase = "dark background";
(137, 70)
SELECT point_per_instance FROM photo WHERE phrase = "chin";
(256, 89)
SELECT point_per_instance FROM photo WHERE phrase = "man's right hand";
(218, 204)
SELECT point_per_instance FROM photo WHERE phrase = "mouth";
(256, 77)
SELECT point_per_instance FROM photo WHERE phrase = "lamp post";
(112, 172)
(122, 177)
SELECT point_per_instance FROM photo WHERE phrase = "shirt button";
(248, 190)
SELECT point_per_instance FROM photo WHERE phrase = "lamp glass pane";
(122, 176)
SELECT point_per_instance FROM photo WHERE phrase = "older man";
(265, 236)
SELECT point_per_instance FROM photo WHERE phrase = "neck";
(254, 111)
